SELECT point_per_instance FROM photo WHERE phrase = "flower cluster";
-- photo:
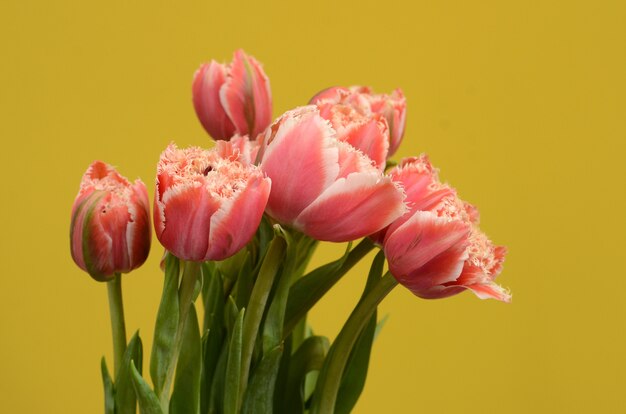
(239, 223)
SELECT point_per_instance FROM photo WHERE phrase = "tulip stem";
(330, 376)
(118, 327)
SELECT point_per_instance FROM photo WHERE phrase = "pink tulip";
(232, 99)
(110, 227)
(392, 107)
(437, 250)
(322, 186)
(208, 203)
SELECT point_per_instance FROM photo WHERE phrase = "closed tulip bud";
(208, 203)
(110, 226)
(232, 98)
(391, 107)
(436, 250)
(323, 186)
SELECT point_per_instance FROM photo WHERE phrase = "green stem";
(329, 378)
(118, 327)
(186, 299)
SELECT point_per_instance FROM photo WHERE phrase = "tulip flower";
(232, 98)
(322, 186)
(110, 227)
(437, 250)
(208, 203)
(391, 107)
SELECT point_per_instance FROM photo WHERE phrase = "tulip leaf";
(259, 398)
(355, 371)
(275, 318)
(213, 339)
(166, 324)
(186, 395)
(308, 358)
(109, 389)
(245, 282)
(233, 384)
(148, 401)
(125, 399)
(216, 399)
(258, 300)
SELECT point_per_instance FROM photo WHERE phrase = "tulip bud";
(110, 227)
(232, 99)
(322, 186)
(391, 107)
(436, 249)
(208, 203)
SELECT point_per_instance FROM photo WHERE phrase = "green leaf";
(259, 398)
(230, 315)
(125, 399)
(245, 282)
(233, 384)
(186, 396)
(109, 389)
(355, 372)
(148, 401)
(216, 400)
(257, 304)
(275, 318)
(166, 324)
(308, 358)
(213, 339)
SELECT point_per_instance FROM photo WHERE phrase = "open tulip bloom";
(239, 223)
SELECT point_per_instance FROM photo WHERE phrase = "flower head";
(208, 203)
(110, 227)
(232, 98)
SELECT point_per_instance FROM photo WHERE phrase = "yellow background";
(522, 104)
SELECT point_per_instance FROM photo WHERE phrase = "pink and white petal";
(420, 239)
(352, 207)
(237, 96)
(207, 82)
(188, 210)
(301, 160)
(234, 224)
(442, 268)
(371, 138)
(491, 290)
(262, 97)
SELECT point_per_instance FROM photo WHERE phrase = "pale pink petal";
(234, 224)
(237, 96)
(352, 207)
(301, 160)
(262, 98)
(187, 210)
(421, 239)
(207, 82)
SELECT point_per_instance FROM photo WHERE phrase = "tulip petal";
(352, 207)
(423, 238)
(234, 223)
(301, 160)
(207, 81)
(188, 210)
(246, 96)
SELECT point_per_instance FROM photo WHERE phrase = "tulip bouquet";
(239, 223)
